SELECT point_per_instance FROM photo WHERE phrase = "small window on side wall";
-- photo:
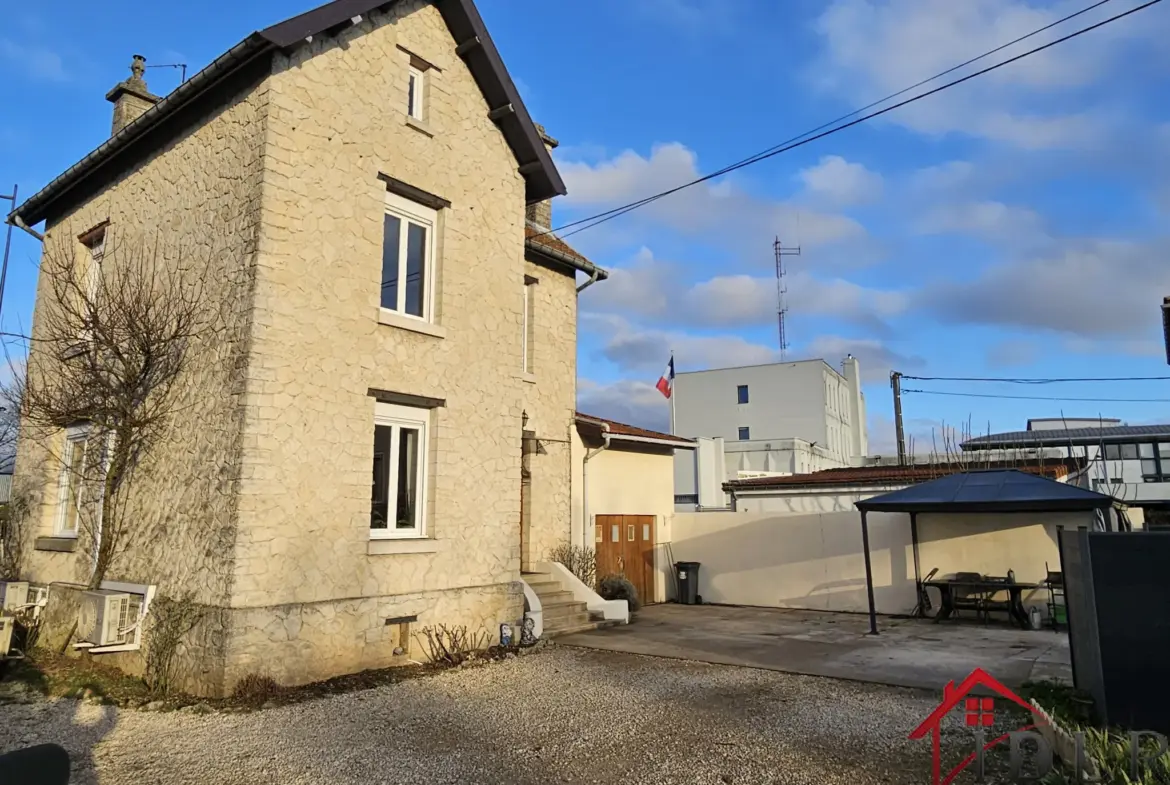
(416, 93)
(741, 393)
(745, 434)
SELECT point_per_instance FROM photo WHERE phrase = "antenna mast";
(782, 292)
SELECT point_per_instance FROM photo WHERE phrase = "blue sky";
(1015, 225)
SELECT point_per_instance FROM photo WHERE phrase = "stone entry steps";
(562, 614)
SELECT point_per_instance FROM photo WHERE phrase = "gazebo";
(1001, 491)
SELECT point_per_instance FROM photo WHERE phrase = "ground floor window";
(71, 482)
(398, 497)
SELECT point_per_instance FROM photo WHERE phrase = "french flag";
(666, 381)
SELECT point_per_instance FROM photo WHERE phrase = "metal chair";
(1057, 608)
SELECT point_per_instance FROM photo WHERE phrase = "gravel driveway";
(563, 715)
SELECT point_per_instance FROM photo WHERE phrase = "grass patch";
(58, 676)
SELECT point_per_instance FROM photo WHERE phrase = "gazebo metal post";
(917, 564)
(868, 575)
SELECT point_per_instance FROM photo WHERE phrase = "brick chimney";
(540, 213)
(131, 98)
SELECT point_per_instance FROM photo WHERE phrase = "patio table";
(981, 602)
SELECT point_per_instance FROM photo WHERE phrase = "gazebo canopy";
(989, 491)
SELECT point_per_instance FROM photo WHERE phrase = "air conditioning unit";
(6, 624)
(13, 595)
(105, 617)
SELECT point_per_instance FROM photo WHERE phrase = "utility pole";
(896, 384)
(782, 292)
(7, 246)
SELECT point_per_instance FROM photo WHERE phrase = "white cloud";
(650, 288)
(1088, 288)
(839, 182)
(632, 402)
(943, 177)
(875, 358)
(988, 220)
(876, 47)
(37, 61)
(719, 209)
(635, 348)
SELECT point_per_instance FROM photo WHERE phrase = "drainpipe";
(589, 454)
(592, 280)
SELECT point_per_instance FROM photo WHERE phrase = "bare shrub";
(579, 560)
(452, 645)
(256, 687)
(171, 620)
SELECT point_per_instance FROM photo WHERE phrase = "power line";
(1040, 397)
(801, 140)
(1009, 380)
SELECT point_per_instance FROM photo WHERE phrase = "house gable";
(211, 86)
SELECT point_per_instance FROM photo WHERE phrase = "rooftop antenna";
(782, 292)
(181, 66)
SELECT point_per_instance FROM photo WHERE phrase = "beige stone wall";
(197, 201)
(338, 120)
(550, 401)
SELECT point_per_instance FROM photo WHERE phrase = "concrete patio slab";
(906, 652)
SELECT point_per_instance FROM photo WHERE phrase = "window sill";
(387, 547)
(59, 544)
(392, 319)
(419, 126)
(526, 377)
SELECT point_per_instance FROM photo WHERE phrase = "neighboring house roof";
(632, 433)
(547, 244)
(1066, 436)
(474, 46)
(884, 475)
(989, 491)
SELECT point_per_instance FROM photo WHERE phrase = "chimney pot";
(131, 98)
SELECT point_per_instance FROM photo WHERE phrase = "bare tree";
(113, 338)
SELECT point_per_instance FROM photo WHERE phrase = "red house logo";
(979, 713)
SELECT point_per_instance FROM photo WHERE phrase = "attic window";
(415, 93)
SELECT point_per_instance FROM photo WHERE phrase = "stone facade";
(263, 497)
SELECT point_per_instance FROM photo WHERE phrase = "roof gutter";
(589, 268)
(650, 440)
(34, 210)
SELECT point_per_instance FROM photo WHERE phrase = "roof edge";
(553, 255)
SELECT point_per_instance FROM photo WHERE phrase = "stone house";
(365, 183)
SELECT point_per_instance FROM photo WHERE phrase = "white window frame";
(75, 436)
(409, 212)
(527, 362)
(396, 417)
(415, 104)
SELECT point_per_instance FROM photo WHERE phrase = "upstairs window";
(741, 393)
(745, 434)
(415, 93)
(408, 257)
(529, 337)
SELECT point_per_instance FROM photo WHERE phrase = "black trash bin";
(688, 582)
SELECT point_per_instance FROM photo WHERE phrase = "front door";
(625, 546)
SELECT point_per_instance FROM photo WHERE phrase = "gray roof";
(990, 491)
(1065, 436)
(467, 28)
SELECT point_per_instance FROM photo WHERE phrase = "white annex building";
(776, 419)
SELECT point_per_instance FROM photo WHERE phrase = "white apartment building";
(776, 419)
(1129, 462)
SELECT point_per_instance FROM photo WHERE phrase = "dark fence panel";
(1119, 594)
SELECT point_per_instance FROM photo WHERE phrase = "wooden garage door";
(625, 546)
